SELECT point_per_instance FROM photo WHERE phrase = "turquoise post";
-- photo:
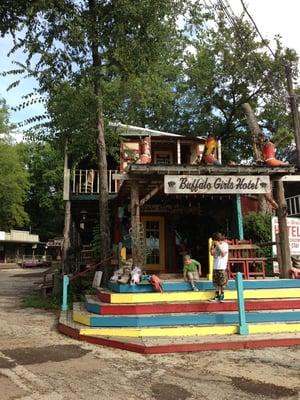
(241, 304)
(239, 217)
(64, 306)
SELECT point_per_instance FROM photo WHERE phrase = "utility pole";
(294, 110)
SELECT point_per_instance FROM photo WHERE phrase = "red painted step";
(144, 348)
(204, 306)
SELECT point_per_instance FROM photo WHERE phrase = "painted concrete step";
(204, 284)
(94, 305)
(178, 343)
(133, 298)
(180, 319)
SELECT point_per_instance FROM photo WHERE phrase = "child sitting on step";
(191, 270)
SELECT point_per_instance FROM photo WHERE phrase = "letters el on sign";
(221, 184)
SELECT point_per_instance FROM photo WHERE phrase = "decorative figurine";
(209, 154)
(269, 152)
(145, 157)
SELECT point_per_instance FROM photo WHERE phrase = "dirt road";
(37, 363)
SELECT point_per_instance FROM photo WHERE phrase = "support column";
(178, 152)
(135, 223)
(284, 244)
(239, 217)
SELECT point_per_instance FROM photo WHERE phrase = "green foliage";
(14, 184)
(228, 67)
(79, 287)
(44, 201)
(5, 127)
(37, 300)
(257, 227)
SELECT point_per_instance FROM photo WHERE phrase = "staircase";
(137, 319)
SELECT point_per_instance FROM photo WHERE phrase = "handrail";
(68, 278)
(90, 268)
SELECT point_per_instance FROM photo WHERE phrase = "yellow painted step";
(190, 330)
(129, 298)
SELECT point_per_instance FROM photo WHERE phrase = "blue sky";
(272, 17)
(14, 96)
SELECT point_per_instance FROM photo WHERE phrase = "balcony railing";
(293, 205)
(87, 181)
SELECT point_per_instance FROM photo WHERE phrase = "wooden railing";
(293, 205)
(87, 181)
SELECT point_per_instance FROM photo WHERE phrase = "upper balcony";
(139, 146)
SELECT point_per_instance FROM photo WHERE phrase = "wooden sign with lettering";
(213, 184)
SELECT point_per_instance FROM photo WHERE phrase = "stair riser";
(251, 343)
(136, 309)
(186, 319)
(206, 285)
(131, 298)
(190, 331)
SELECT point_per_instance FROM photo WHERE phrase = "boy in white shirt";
(219, 251)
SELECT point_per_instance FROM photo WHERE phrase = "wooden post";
(243, 327)
(178, 151)
(135, 222)
(239, 217)
(285, 258)
(294, 109)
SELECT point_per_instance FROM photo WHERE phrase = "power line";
(257, 30)
(232, 19)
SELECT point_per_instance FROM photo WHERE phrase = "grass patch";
(37, 300)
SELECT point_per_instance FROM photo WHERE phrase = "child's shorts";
(193, 275)
(220, 277)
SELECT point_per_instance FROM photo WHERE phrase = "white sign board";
(218, 184)
(2, 235)
(294, 237)
(97, 279)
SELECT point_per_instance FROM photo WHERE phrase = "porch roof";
(148, 169)
(150, 177)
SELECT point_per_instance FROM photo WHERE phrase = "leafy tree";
(5, 126)
(44, 201)
(13, 188)
(228, 67)
(100, 44)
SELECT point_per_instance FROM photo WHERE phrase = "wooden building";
(163, 201)
(17, 245)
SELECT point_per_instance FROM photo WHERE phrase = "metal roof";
(132, 131)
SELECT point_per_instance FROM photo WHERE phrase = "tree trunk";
(256, 133)
(105, 240)
(257, 138)
(135, 224)
(66, 240)
(285, 254)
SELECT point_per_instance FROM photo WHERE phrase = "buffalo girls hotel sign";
(219, 184)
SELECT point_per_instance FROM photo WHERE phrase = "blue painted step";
(181, 286)
(184, 319)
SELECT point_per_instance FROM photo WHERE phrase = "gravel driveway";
(37, 363)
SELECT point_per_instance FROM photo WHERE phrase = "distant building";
(16, 245)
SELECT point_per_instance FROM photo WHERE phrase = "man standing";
(219, 251)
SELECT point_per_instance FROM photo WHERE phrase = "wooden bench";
(47, 282)
(243, 258)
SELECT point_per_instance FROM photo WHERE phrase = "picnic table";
(244, 258)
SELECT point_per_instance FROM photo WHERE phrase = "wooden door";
(154, 228)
